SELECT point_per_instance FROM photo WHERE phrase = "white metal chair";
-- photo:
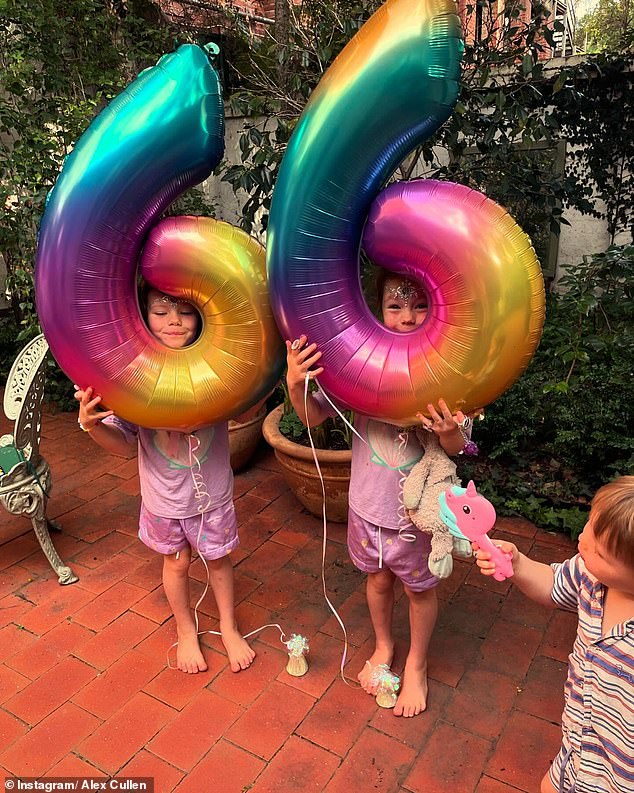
(25, 476)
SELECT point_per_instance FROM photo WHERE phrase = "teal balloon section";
(162, 135)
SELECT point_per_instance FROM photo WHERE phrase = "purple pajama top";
(166, 459)
(378, 468)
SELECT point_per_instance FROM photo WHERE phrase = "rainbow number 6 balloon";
(162, 135)
(391, 88)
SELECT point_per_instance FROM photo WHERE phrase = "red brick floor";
(85, 689)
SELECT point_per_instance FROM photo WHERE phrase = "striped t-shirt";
(598, 717)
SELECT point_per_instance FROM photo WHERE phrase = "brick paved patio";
(85, 689)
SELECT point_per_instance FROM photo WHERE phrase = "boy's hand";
(441, 422)
(300, 360)
(89, 416)
(483, 558)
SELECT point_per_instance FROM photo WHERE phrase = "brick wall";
(201, 15)
(477, 24)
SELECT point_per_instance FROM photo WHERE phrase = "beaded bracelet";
(470, 448)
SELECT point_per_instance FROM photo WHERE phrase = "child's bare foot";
(189, 657)
(240, 653)
(366, 676)
(413, 697)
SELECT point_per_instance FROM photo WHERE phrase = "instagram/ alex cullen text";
(79, 783)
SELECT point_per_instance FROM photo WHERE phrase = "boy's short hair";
(613, 517)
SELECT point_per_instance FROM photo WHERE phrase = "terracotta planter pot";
(299, 470)
(244, 438)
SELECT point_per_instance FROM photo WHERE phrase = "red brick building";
(203, 15)
(484, 19)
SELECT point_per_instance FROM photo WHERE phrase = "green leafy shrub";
(9, 346)
(565, 428)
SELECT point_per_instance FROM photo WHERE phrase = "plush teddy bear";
(430, 477)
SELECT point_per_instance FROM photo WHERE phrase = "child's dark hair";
(143, 290)
(613, 517)
(381, 277)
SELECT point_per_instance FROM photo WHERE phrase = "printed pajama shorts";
(373, 548)
(214, 538)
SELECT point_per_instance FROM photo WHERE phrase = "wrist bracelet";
(470, 449)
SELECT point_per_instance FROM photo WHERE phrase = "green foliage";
(291, 426)
(9, 346)
(503, 137)
(609, 27)
(564, 428)
(502, 103)
(333, 433)
(193, 202)
(595, 115)
(276, 81)
(60, 64)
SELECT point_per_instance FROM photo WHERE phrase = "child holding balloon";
(376, 541)
(187, 495)
(597, 752)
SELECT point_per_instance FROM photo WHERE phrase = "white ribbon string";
(204, 505)
(404, 531)
(325, 527)
(334, 407)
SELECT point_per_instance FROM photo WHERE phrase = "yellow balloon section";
(235, 360)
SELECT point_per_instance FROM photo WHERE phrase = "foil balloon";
(389, 90)
(162, 135)
(485, 296)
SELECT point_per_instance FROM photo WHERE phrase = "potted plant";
(289, 438)
(244, 435)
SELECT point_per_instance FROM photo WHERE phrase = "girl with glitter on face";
(170, 520)
(377, 542)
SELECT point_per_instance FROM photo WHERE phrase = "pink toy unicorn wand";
(469, 516)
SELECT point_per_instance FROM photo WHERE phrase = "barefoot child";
(375, 538)
(170, 521)
(597, 751)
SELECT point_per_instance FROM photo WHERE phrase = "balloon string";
(404, 531)
(325, 531)
(204, 505)
(332, 404)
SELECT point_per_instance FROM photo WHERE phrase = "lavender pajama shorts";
(217, 536)
(373, 548)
